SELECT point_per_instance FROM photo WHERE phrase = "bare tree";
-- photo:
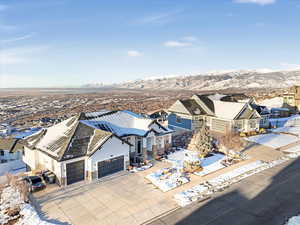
(230, 141)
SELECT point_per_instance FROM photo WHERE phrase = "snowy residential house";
(291, 98)
(220, 113)
(160, 115)
(262, 110)
(75, 151)
(144, 134)
(10, 156)
(89, 146)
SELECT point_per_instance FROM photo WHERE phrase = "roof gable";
(178, 107)
(247, 113)
(97, 140)
(205, 102)
(193, 107)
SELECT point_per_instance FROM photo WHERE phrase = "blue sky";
(46, 43)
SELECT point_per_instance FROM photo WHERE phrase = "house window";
(252, 124)
(159, 142)
(178, 119)
(239, 125)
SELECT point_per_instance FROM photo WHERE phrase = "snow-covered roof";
(55, 134)
(222, 106)
(275, 102)
(84, 134)
(227, 110)
(124, 123)
(216, 97)
(95, 114)
(68, 139)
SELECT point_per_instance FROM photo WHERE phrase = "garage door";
(75, 172)
(219, 125)
(110, 166)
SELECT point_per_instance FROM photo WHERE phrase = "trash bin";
(51, 178)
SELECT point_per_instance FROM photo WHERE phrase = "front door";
(139, 147)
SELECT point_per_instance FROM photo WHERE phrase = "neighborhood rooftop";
(123, 123)
(90, 131)
(56, 140)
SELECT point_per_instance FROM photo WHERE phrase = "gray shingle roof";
(68, 139)
(193, 107)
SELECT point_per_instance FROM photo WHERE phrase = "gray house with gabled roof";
(218, 112)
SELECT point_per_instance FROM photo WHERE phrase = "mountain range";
(240, 79)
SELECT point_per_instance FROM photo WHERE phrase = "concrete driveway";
(126, 199)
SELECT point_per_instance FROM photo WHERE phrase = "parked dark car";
(35, 183)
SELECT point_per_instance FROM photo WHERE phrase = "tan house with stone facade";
(291, 99)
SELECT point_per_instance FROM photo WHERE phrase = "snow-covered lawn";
(176, 158)
(193, 194)
(209, 164)
(290, 130)
(293, 149)
(273, 140)
(235, 173)
(167, 179)
(11, 200)
(205, 189)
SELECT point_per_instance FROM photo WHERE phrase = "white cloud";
(177, 44)
(24, 37)
(259, 2)
(134, 53)
(161, 18)
(190, 38)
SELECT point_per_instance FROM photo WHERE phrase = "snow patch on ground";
(11, 199)
(167, 179)
(209, 164)
(176, 158)
(295, 220)
(273, 140)
(294, 149)
(206, 189)
(290, 130)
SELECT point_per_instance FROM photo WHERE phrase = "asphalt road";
(267, 198)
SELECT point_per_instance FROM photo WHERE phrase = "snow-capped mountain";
(242, 79)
